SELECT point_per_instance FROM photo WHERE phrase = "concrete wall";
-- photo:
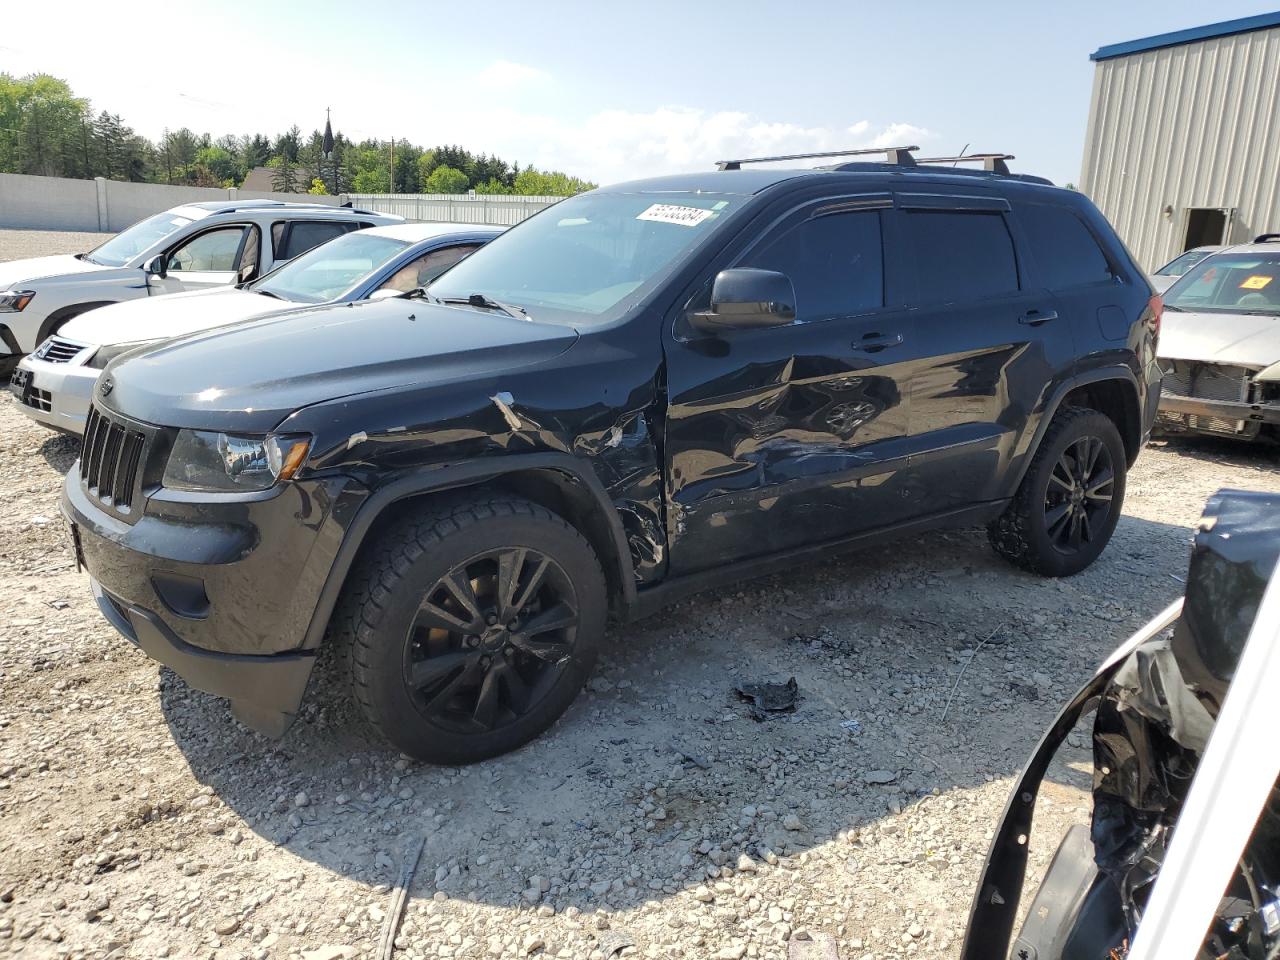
(1181, 127)
(54, 203)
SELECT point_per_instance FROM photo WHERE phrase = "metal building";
(1183, 144)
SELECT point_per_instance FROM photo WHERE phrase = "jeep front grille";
(109, 461)
(54, 350)
(1207, 381)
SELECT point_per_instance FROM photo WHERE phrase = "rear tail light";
(1156, 306)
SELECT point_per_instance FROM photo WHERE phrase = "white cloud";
(615, 145)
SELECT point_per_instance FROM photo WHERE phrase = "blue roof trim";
(1224, 29)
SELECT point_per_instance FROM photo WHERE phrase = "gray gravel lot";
(15, 244)
(137, 819)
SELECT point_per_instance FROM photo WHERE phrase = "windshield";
(1230, 283)
(590, 258)
(1180, 265)
(331, 269)
(126, 245)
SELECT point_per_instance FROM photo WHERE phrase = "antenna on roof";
(991, 162)
(898, 155)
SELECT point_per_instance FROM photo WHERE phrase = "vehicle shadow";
(60, 451)
(657, 778)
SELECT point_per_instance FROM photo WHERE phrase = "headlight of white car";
(15, 301)
(108, 353)
(206, 461)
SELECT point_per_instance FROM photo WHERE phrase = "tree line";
(45, 129)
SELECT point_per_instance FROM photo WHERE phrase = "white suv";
(190, 247)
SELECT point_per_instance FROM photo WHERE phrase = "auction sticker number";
(1256, 282)
(673, 213)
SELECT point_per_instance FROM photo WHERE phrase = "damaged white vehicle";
(1182, 858)
(1220, 345)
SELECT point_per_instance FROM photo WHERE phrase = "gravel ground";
(137, 819)
(15, 244)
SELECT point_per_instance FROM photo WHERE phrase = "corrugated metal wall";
(1194, 125)
(496, 209)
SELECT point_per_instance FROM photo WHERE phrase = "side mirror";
(157, 266)
(744, 298)
(386, 293)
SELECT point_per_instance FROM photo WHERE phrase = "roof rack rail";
(898, 155)
(992, 162)
(1267, 238)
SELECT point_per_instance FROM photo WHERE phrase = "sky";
(608, 91)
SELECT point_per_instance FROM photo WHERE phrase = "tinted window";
(1065, 250)
(305, 234)
(835, 262)
(426, 268)
(961, 255)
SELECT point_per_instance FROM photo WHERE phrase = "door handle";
(1033, 318)
(874, 342)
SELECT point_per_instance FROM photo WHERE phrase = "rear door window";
(1065, 251)
(301, 235)
(835, 262)
(961, 255)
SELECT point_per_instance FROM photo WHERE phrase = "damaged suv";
(641, 392)
(1182, 859)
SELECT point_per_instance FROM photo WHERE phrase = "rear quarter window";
(1065, 250)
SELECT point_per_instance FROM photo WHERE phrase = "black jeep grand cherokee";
(640, 392)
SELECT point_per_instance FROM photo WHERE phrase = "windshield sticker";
(671, 213)
(1256, 282)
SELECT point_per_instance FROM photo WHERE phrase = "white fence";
(56, 203)
(496, 209)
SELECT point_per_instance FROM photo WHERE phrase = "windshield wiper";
(486, 302)
(268, 293)
(1170, 306)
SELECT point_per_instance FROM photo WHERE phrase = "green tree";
(446, 179)
(284, 174)
(219, 164)
(318, 188)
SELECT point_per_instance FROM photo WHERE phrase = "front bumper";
(1223, 409)
(58, 394)
(265, 692)
(222, 591)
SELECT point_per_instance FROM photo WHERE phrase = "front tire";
(1069, 502)
(470, 628)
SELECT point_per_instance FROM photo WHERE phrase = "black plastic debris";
(769, 698)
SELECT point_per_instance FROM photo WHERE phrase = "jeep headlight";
(105, 355)
(207, 461)
(15, 301)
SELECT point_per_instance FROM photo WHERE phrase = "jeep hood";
(1239, 339)
(173, 315)
(249, 377)
(17, 272)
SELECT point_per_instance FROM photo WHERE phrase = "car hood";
(17, 272)
(249, 377)
(154, 318)
(1232, 338)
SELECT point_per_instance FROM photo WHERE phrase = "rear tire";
(469, 628)
(1069, 502)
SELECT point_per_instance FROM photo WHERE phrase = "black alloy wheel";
(1079, 499)
(490, 639)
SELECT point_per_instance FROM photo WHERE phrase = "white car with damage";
(1219, 345)
(54, 384)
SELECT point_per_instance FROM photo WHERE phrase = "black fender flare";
(1098, 375)
(63, 314)
(460, 476)
(9, 340)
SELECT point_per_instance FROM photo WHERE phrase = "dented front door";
(792, 435)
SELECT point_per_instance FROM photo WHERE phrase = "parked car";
(639, 393)
(1168, 275)
(1182, 858)
(54, 384)
(190, 247)
(1220, 345)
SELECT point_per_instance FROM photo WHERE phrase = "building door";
(1206, 226)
